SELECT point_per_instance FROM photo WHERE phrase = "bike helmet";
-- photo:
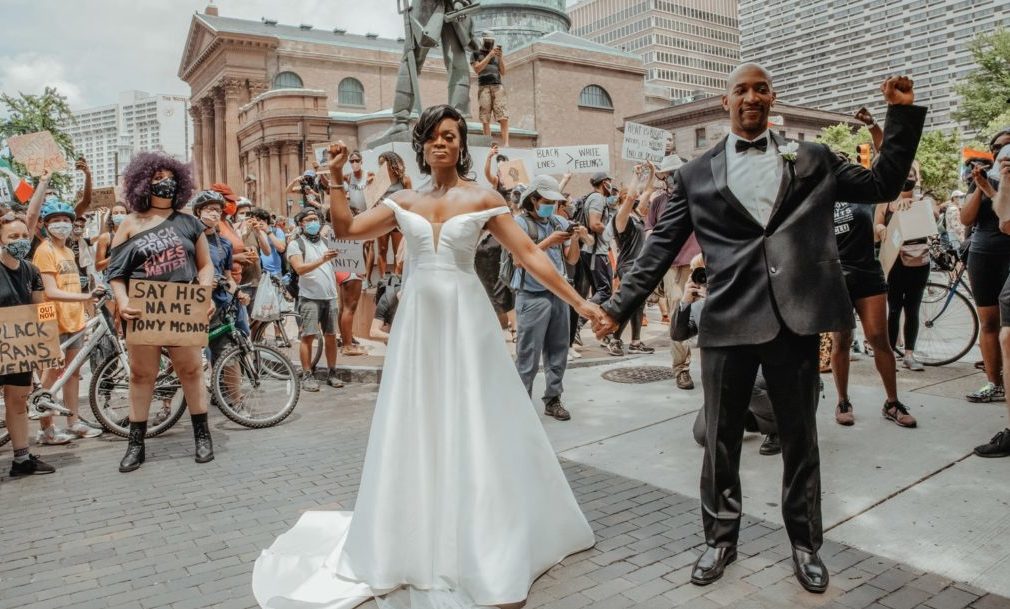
(54, 208)
(205, 198)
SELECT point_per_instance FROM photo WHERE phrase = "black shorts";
(987, 273)
(23, 379)
(865, 281)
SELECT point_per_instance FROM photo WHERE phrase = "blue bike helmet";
(54, 208)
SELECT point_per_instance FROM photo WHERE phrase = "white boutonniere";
(788, 151)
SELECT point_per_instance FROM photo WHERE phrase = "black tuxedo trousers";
(789, 363)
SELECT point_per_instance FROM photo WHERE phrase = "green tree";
(986, 90)
(841, 138)
(46, 112)
(939, 157)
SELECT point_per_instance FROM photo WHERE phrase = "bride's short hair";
(424, 130)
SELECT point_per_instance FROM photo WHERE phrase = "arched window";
(595, 96)
(350, 92)
(287, 80)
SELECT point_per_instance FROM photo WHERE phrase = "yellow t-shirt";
(59, 262)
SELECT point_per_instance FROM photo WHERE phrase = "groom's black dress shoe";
(811, 572)
(710, 565)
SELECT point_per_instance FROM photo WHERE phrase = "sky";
(91, 50)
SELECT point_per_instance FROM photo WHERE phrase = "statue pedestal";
(475, 139)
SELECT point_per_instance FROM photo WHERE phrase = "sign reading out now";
(172, 314)
(29, 339)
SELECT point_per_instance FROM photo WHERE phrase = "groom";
(762, 212)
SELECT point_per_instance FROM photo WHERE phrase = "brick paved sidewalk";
(181, 535)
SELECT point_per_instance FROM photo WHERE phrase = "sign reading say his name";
(572, 159)
(172, 314)
(350, 256)
(644, 143)
(37, 152)
(29, 338)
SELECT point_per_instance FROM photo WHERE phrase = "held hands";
(603, 323)
(898, 91)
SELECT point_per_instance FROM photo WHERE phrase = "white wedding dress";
(462, 502)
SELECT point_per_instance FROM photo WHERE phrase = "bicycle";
(948, 321)
(285, 327)
(244, 362)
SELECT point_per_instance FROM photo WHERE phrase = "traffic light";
(864, 155)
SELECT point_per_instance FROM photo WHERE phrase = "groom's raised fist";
(898, 91)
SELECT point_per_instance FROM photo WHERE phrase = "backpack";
(291, 277)
(384, 284)
(507, 268)
(580, 215)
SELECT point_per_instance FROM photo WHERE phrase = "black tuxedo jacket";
(786, 274)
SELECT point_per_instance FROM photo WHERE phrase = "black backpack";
(290, 276)
(507, 268)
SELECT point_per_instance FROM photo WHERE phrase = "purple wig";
(138, 174)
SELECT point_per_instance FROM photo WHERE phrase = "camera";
(699, 276)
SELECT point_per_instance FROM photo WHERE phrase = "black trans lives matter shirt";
(166, 252)
(854, 233)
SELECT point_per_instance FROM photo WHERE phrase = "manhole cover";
(639, 374)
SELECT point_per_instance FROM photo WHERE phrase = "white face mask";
(60, 229)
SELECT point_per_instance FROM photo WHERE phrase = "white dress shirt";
(754, 176)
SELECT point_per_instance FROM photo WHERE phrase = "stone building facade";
(263, 94)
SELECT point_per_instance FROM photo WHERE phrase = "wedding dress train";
(462, 501)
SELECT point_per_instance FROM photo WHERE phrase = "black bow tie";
(760, 145)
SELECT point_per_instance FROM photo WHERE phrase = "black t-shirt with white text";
(854, 234)
(166, 252)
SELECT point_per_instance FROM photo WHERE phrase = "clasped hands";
(603, 323)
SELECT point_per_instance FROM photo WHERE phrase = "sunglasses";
(355, 160)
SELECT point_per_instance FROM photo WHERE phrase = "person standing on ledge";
(762, 210)
(489, 64)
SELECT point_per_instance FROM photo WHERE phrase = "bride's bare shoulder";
(404, 198)
(487, 198)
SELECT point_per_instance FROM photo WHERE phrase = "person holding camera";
(542, 317)
(489, 64)
(306, 186)
(629, 234)
(760, 417)
(988, 268)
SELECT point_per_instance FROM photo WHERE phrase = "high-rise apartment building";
(834, 55)
(108, 136)
(688, 46)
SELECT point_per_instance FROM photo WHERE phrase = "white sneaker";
(50, 436)
(573, 354)
(83, 430)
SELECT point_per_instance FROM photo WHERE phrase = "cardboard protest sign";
(378, 187)
(29, 339)
(37, 152)
(513, 173)
(6, 196)
(350, 256)
(103, 197)
(172, 314)
(572, 159)
(890, 247)
(644, 143)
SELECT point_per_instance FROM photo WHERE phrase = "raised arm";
(35, 204)
(901, 139)
(82, 207)
(491, 178)
(369, 224)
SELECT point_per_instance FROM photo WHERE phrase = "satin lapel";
(722, 182)
(786, 183)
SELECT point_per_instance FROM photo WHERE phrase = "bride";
(462, 502)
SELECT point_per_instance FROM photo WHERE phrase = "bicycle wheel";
(110, 398)
(285, 338)
(5, 436)
(948, 326)
(255, 388)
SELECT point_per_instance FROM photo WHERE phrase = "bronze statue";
(444, 21)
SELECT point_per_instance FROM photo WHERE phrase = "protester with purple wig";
(159, 243)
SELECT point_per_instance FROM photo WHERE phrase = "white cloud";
(31, 73)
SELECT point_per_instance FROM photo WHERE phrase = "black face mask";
(164, 189)
(909, 186)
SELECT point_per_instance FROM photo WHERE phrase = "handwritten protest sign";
(103, 197)
(37, 152)
(572, 159)
(644, 143)
(513, 173)
(173, 314)
(378, 187)
(350, 256)
(29, 338)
